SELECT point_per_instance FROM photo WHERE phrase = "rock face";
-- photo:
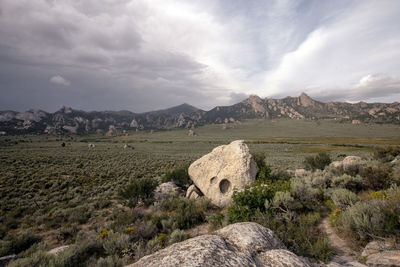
(240, 244)
(165, 189)
(380, 253)
(225, 168)
(193, 192)
(351, 161)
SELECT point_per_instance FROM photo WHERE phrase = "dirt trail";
(345, 256)
(338, 244)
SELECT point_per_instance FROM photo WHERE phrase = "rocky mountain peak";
(305, 100)
(256, 103)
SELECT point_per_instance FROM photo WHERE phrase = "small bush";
(320, 161)
(386, 154)
(264, 172)
(343, 198)
(353, 183)
(246, 202)
(304, 193)
(115, 243)
(177, 236)
(18, 243)
(285, 202)
(179, 176)
(362, 220)
(139, 189)
(188, 214)
(376, 178)
(39, 258)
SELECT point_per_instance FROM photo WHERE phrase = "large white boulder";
(240, 244)
(218, 173)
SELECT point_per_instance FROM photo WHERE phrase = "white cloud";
(363, 40)
(59, 80)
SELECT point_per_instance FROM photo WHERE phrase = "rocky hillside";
(67, 120)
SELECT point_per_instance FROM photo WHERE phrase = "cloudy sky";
(141, 55)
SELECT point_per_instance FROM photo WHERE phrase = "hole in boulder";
(224, 186)
(213, 180)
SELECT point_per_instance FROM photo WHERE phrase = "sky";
(142, 55)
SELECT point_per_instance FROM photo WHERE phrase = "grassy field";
(46, 187)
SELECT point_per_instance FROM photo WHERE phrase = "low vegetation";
(56, 191)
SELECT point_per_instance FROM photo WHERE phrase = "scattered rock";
(165, 189)
(91, 145)
(4, 261)
(381, 253)
(225, 168)
(250, 237)
(355, 122)
(57, 250)
(193, 192)
(300, 173)
(191, 133)
(350, 162)
(126, 146)
(337, 164)
(225, 248)
(112, 131)
(388, 258)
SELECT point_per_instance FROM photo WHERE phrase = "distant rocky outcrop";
(240, 244)
(67, 120)
(218, 173)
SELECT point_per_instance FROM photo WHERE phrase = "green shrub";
(264, 172)
(177, 236)
(301, 235)
(39, 259)
(246, 202)
(320, 161)
(179, 176)
(78, 255)
(115, 243)
(343, 198)
(110, 261)
(188, 214)
(362, 220)
(139, 189)
(304, 193)
(18, 243)
(285, 202)
(376, 178)
(387, 153)
(217, 220)
(353, 183)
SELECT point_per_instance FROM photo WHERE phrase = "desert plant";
(320, 161)
(264, 172)
(115, 243)
(362, 220)
(353, 183)
(139, 189)
(283, 201)
(386, 153)
(177, 235)
(376, 178)
(343, 198)
(179, 176)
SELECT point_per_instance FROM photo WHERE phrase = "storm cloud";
(148, 54)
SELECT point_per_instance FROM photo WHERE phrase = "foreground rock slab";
(218, 173)
(240, 244)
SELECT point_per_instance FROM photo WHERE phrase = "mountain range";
(68, 120)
